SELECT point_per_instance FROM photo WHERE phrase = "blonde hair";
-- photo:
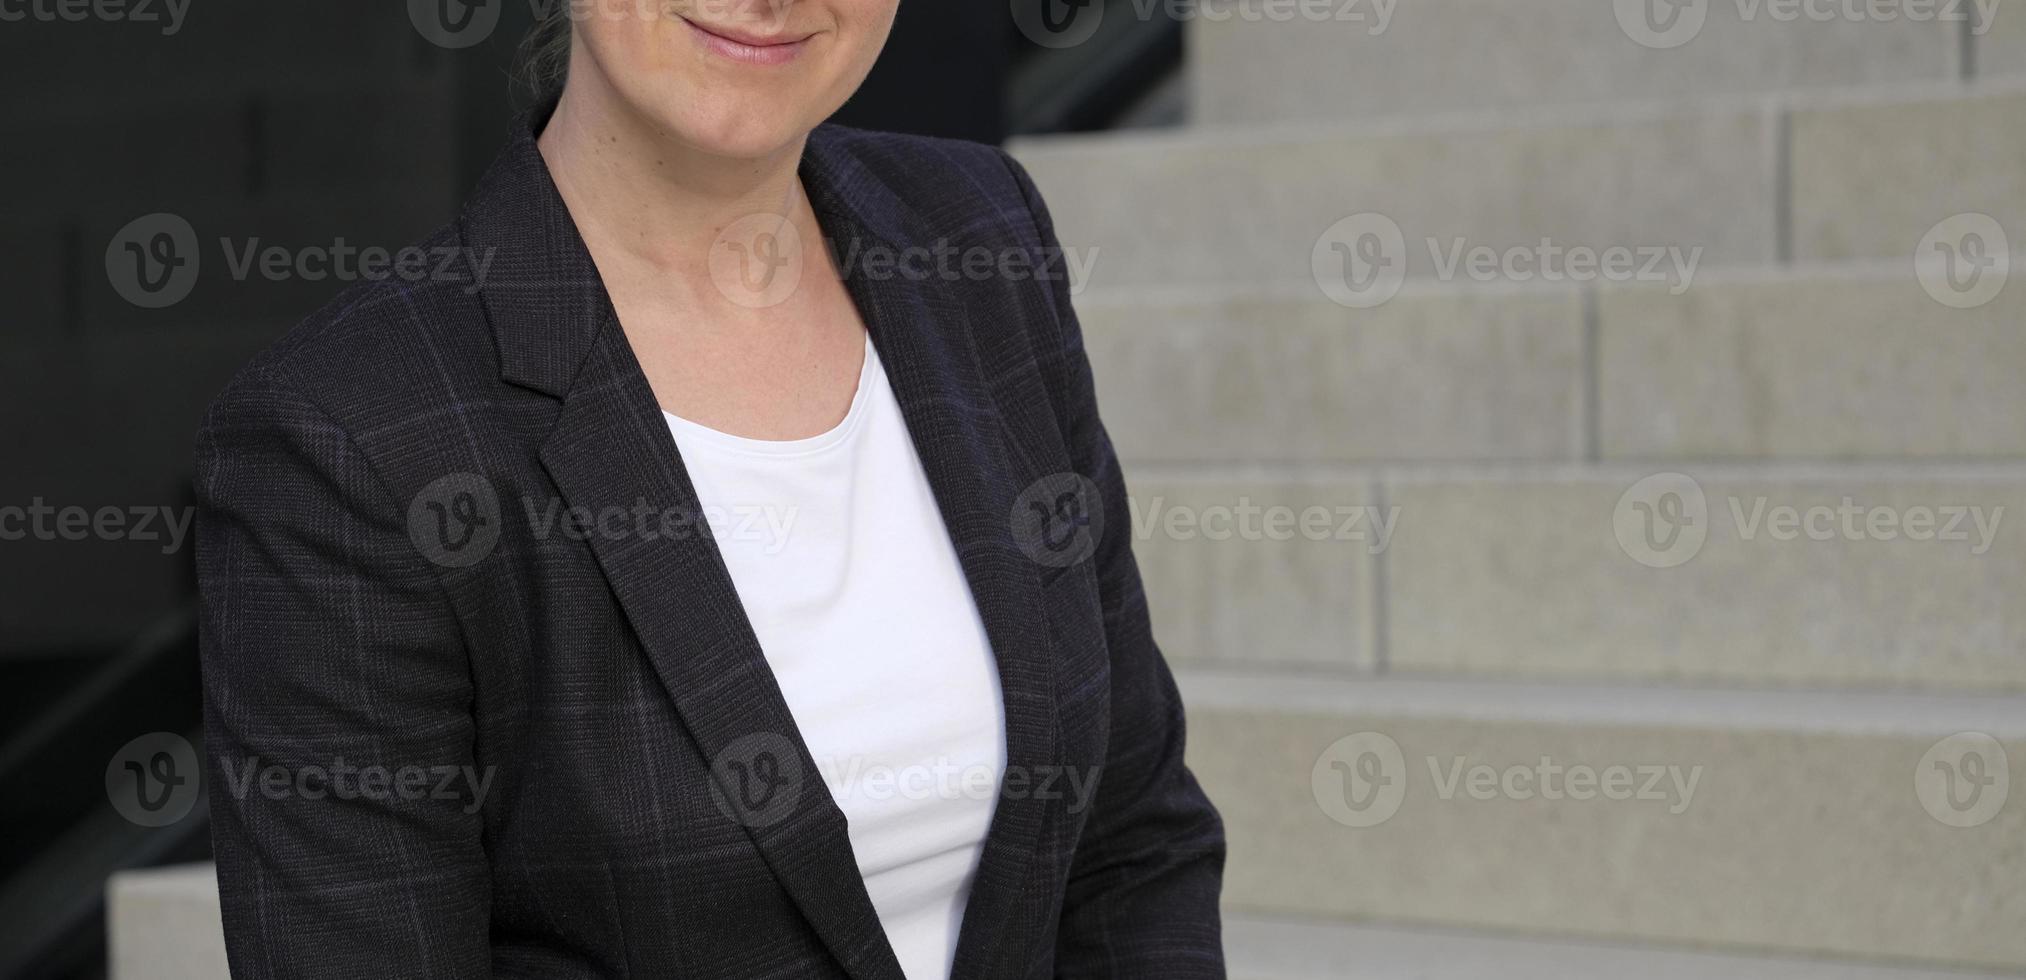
(545, 51)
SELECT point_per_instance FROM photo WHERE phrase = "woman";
(661, 593)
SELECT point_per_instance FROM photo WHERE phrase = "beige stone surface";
(1526, 575)
(1452, 55)
(1819, 366)
(1870, 180)
(2001, 49)
(1182, 208)
(1309, 949)
(1449, 375)
(163, 924)
(1806, 836)
(1225, 587)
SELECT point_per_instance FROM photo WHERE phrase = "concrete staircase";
(1670, 622)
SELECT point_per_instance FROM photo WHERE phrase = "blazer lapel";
(923, 333)
(610, 449)
(558, 333)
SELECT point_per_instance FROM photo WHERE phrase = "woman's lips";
(748, 48)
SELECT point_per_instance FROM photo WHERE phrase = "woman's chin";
(743, 131)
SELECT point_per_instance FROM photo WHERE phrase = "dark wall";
(943, 73)
(290, 124)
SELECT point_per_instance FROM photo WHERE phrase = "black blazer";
(448, 738)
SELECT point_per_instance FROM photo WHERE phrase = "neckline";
(837, 434)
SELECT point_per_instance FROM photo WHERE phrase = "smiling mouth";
(746, 47)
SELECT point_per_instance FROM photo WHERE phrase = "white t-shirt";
(847, 573)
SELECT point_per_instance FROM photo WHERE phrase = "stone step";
(1253, 205)
(1864, 576)
(1357, 208)
(1835, 361)
(1885, 360)
(1804, 823)
(1873, 179)
(1260, 60)
(164, 925)
(1287, 375)
(1292, 949)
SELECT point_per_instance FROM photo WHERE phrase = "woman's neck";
(640, 195)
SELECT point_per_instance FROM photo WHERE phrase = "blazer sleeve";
(337, 707)
(1143, 883)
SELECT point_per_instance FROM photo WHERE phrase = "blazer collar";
(543, 294)
(557, 333)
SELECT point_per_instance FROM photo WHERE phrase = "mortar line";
(1382, 623)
